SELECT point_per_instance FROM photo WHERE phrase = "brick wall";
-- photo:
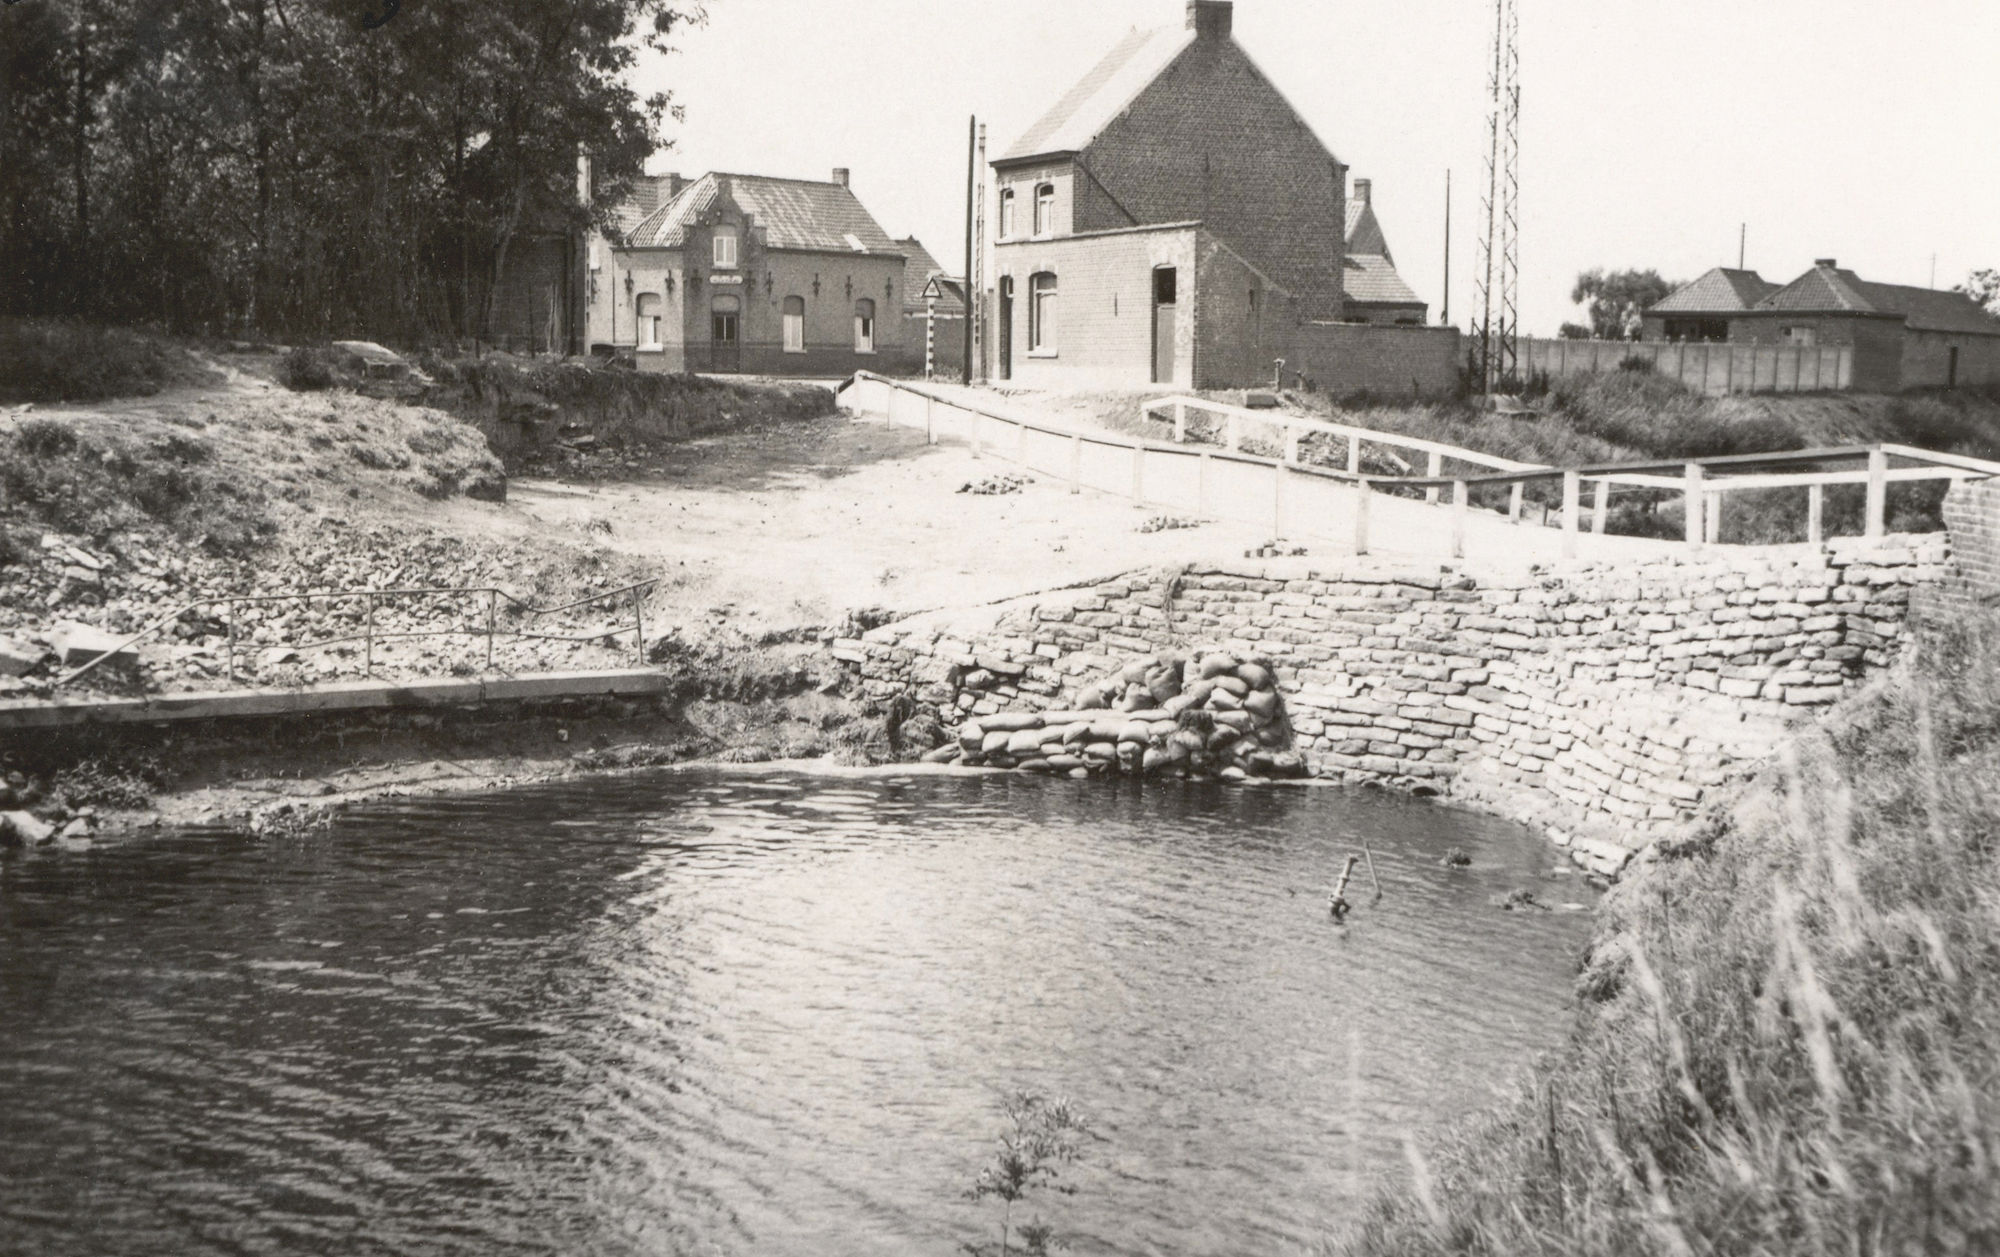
(1242, 323)
(1104, 333)
(1346, 358)
(1877, 342)
(1927, 359)
(1971, 583)
(1603, 701)
(1212, 139)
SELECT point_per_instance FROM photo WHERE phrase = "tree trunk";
(80, 168)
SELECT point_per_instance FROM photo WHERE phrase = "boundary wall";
(1713, 369)
(1601, 700)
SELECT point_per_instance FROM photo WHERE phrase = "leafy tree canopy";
(1983, 286)
(1615, 300)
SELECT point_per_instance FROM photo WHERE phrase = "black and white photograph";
(991, 628)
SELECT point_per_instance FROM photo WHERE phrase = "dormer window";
(725, 248)
(1045, 208)
(1007, 213)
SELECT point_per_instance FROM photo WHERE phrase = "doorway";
(1166, 296)
(726, 334)
(1006, 349)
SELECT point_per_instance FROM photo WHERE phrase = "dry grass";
(1789, 1040)
(42, 361)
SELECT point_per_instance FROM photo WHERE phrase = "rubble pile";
(67, 600)
(1214, 715)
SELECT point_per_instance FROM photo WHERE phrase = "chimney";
(673, 184)
(1210, 19)
(840, 175)
(1826, 263)
(1361, 189)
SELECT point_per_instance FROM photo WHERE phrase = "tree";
(1615, 300)
(308, 166)
(1984, 288)
(1042, 1136)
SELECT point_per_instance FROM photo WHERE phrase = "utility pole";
(1742, 245)
(971, 205)
(1444, 320)
(975, 311)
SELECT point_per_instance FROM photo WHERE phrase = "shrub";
(66, 362)
(306, 369)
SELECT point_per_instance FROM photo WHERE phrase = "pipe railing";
(1703, 481)
(369, 636)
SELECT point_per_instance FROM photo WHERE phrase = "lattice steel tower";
(1499, 274)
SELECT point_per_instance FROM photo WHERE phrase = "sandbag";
(1217, 665)
(1010, 722)
(1076, 733)
(1063, 763)
(972, 736)
(1222, 700)
(1102, 752)
(1024, 742)
(1177, 704)
(1222, 738)
(943, 755)
(1199, 692)
(1255, 675)
(1262, 704)
(1094, 696)
(1233, 684)
(995, 743)
(1105, 730)
(1135, 731)
(1035, 765)
(1241, 721)
(1153, 761)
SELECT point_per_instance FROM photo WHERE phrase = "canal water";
(711, 1012)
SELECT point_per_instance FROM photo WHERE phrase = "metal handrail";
(493, 595)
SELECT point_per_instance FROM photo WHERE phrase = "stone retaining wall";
(1601, 700)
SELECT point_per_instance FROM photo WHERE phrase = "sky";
(1862, 130)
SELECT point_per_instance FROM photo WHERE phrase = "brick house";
(749, 273)
(1371, 290)
(1173, 220)
(1901, 336)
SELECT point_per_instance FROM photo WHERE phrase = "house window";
(725, 319)
(1042, 314)
(649, 320)
(1007, 213)
(1800, 335)
(795, 325)
(864, 326)
(725, 248)
(1045, 209)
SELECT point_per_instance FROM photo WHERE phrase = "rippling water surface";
(726, 1013)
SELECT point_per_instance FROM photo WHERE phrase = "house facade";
(1173, 221)
(1901, 337)
(748, 273)
(1370, 288)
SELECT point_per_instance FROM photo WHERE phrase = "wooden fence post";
(1815, 513)
(1878, 491)
(1434, 468)
(1692, 477)
(1232, 430)
(1291, 444)
(1354, 454)
(1277, 499)
(930, 420)
(1361, 495)
(1600, 506)
(1711, 520)
(492, 613)
(1572, 507)
(1460, 492)
(1516, 494)
(1180, 423)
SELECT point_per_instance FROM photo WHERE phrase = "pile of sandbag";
(1210, 716)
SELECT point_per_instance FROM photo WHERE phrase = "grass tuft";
(1787, 1044)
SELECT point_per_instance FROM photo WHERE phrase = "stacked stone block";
(1606, 699)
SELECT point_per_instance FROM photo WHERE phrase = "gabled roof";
(647, 194)
(1720, 291)
(1828, 289)
(919, 269)
(1107, 91)
(1371, 278)
(1364, 230)
(788, 213)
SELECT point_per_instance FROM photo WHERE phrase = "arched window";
(1006, 213)
(725, 247)
(1045, 209)
(649, 320)
(795, 325)
(1042, 314)
(864, 326)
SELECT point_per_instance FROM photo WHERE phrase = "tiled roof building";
(1901, 336)
(1172, 219)
(749, 273)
